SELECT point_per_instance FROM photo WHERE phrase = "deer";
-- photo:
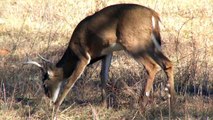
(130, 27)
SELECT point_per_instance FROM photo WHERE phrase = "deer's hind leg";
(167, 66)
(151, 67)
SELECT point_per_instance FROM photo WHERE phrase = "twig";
(95, 114)
(4, 93)
(13, 94)
(135, 115)
(169, 102)
(1, 90)
(29, 115)
(54, 114)
(161, 114)
(68, 108)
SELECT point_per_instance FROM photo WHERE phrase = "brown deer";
(129, 27)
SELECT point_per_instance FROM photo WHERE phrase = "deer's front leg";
(71, 80)
(106, 61)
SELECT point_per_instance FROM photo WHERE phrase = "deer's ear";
(51, 69)
(50, 73)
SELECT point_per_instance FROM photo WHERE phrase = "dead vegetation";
(44, 27)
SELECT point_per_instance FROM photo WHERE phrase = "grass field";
(44, 27)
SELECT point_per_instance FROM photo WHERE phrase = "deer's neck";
(67, 63)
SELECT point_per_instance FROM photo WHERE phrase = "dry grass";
(44, 27)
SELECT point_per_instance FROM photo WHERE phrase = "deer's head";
(51, 77)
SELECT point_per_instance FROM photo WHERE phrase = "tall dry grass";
(44, 27)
